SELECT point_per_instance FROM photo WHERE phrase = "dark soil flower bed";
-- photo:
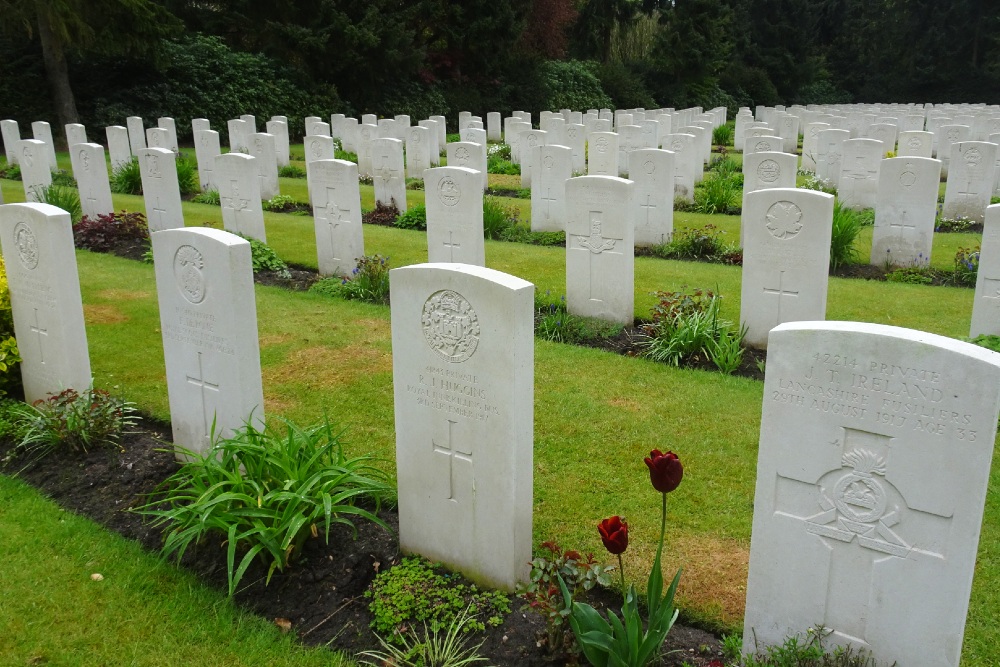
(322, 597)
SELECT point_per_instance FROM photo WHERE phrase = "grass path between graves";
(143, 613)
(596, 414)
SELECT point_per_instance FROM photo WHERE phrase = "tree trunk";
(57, 70)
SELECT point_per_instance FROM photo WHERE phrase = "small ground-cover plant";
(811, 181)
(63, 178)
(798, 651)
(103, 233)
(580, 574)
(61, 196)
(966, 267)
(433, 648)
(382, 214)
(720, 194)
(208, 197)
(416, 591)
(279, 203)
(10, 375)
(686, 327)
(369, 281)
(74, 421)
(723, 135)
(498, 218)
(553, 323)
(414, 217)
(264, 258)
(264, 492)
(414, 184)
(956, 225)
(126, 178)
(10, 171)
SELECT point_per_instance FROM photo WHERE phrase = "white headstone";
(136, 134)
(576, 139)
(367, 134)
(904, 211)
(453, 196)
(463, 369)
(119, 148)
(11, 138)
(786, 259)
(206, 147)
(829, 154)
(810, 143)
(263, 148)
(75, 134)
(171, 127)
(970, 180)
(42, 131)
(158, 137)
(602, 154)
(336, 200)
(553, 167)
(251, 123)
(915, 143)
(859, 174)
(493, 126)
(872, 475)
(208, 316)
(513, 136)
(418, 151)
(433, 145)
(686, 163)
(469, 155)
(238, 136)
(238, 180)
(160, 190)
(600, 248)
(198, 124)
(279, 130)
(986, 307)
(35, 173)
(40, 260)
(529, 139)
(388, 174)
(91, 172)
(652, 170)
(886, 133)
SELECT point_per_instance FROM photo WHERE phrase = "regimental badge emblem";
(451, 325)
(27, 245)
(449, 192)
(189, 265)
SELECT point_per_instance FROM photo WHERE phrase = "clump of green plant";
(799, 651)
(263, 492)
(416, 591)
(719, 195)
(704, 243)
(414, 217)
(501, 151)
(966, 267)
(105, 232)
(340, 154)
(686, 328)
(866, 217)
(960, 224)
(11, 172)
(989, 341)
(723, 135)
(513, 193)
(553, 323)
(580, 574)
(187, 175)
(726, 166)
(810, 181)
(497, 218)
(911, 275)
(414, 184)
(264, 258)
(74, 421)
(126, 178)
(62, 197)
(278, 203)
(211, 197)
(369, 281)
(846, 227)
(291, 171)
(383, 214)
(498, 165)
(431, 649)
(63, 178)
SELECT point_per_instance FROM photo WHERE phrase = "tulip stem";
(621, 571)
(663, 523)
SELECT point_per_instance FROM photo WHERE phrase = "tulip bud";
(614, 534)
(665, 470)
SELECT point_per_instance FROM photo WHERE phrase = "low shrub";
(264, 492)
(264, 258)
(11, 172)
(208, 197)
(956, 225)
(63, 178)
(498, 165)
(912, 275)
(10, 374)
(62, 197)
(278, 203)
(105, 232)
(382, 214)
(846, 227)
(291, 171)
(966, 267)
(989, 341)
(704, 243)
(74, 421)
(723, 135)
(686, 328)
(416, 591)
(553, 323)
(415, 217)
(719, 195)
(126, 179)
(414, 184)
(369, 281)
(187, 175)
(498, 218)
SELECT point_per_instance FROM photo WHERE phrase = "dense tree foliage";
(424, 56)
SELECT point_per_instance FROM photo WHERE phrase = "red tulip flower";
(665, 470)
(614, 534)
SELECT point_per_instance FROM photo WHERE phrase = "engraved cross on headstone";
(452, 451)
(648, 206)
(451, 245)
(161, 213)
(594, 244)
(203, 385)
(902, 227)
(39, 332)
(548, 199)
(780, 292)
(233, 202)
